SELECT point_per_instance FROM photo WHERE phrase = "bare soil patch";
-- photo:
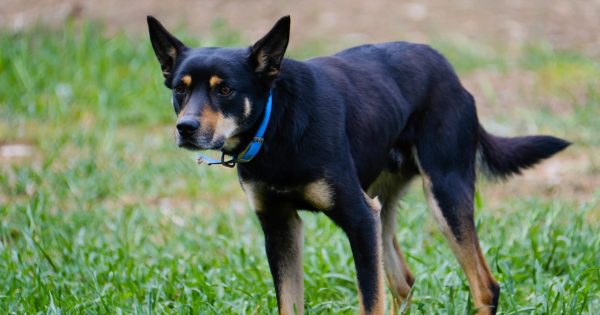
(565, 24)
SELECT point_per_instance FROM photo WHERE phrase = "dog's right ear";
(166, 47)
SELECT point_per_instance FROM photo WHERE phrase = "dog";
(331, 134)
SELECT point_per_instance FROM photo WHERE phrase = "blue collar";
(253, 147)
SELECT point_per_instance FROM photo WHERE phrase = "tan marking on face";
(247, 107)
(319, 194)
(225, 128)
(222, 127)
(231, 143)
(214, 80)
(209, 119)
(187, 80)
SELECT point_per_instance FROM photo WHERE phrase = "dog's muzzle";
(190, 136)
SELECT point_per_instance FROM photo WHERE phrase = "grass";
(107, 216)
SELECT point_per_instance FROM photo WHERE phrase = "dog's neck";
(245, 138)
(286, 124)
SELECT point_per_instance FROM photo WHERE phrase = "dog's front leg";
(358, 216)
(283, 241)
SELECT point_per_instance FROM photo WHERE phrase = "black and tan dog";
(342, 130)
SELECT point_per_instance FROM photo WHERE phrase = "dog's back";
(385, 96)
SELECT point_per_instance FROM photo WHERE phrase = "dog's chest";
(315, 195)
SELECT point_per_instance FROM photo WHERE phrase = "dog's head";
(218, 93)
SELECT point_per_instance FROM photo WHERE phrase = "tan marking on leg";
(478, 273)
(254, 192)
(319, 194)
(390, 187)
(187, 80)
(379, 306)
(214, 81)
(406, 279)
(433, 205)
(373, 203)
(361, 305)
(398, 276)
(291, 295)
(435, 209)
(467, 252)
(247, 107)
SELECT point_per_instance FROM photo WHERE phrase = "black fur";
(346, 119)
(508, 156)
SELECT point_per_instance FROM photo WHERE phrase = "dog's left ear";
(267, 53)
(166, 47)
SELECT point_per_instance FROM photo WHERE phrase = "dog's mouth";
(189, 145)
(192, 145)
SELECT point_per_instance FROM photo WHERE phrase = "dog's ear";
(267, 53)
(166, 47)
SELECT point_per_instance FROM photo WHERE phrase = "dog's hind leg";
(446, 143)
(455, 219)
(283, 241)
(390, 187)
(449, 183)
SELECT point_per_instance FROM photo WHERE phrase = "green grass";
(108, 216)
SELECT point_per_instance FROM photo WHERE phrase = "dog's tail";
(503, 157)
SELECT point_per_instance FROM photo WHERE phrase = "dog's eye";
(180, 89)
(225, 90)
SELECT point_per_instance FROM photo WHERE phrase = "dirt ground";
(565, 24)
(573, 25)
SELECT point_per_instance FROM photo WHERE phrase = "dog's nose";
(187, 126)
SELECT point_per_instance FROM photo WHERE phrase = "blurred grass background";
(101, 213)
